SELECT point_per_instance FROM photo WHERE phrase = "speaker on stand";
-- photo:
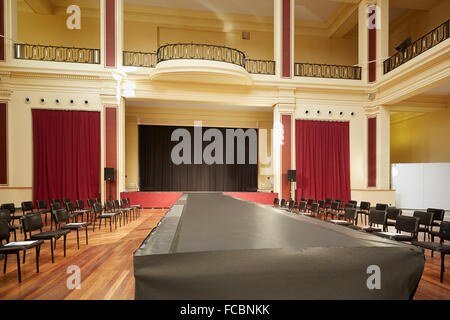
(292, 177)
(110, 176)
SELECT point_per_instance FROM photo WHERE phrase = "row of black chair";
(380, 218)
(31, 221)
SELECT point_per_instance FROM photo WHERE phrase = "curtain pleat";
(66, 154)
(323, 160)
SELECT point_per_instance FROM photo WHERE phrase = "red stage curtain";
(66, 155)
(323, 160)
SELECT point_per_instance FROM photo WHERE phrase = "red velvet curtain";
(66, 147)
(323, 159)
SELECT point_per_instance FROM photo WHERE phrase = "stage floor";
(213, 246)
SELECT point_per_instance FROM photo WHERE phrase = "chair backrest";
(350, 213)
(315, 207)
(444, 231)
(321, 203)
(90, 203)
(65, 200)
(124, 203)
(98, 207)
(334, 205)
(70, 206)
(27, 206)
(377, 217)
(310, 202)
(55, 206)
(283, 203)
(4, 230)
(61, 216)
(116, 204)
(41, 204)
(407, 224)
(381, 206)
(364, 205)
(98, 200)
(80, 204)
(328, 201)
(4, 215)
(354, 202)
(32, 222)
(108, 205)
(393, 213)
(276, 201)
(438, 214)
(291, 204)
(349, 205)
(10, 207)
(302, 205)
(302, 199)
(425, 218)
(56, 201)
(340, 201)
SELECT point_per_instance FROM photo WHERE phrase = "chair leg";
(65, 238)
(78, 240)
(15, 235)
(87, 235)
(110, 224)
(5, 263)
(51, 248)
(442, 266)
(24, 255)
(19, 273)
(38, 249)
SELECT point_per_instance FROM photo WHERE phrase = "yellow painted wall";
(421, 139)
(51, 30)
(326, 50)
(186, 117)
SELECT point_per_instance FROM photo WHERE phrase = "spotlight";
(329, 112)
(402, 46)
(27, 100)
(71, 101)
(341, 113)
(57, 101)
(42, 100)
(306, 111)
(86, 102)
(318, 111)
(352, 113)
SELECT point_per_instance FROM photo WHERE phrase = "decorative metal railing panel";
(139, 59)
(57, 54)
(201, 52)
(260, 66)
(327, 71)
(418, 47)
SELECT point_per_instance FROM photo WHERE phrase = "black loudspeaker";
(109, 174)
(292, 175)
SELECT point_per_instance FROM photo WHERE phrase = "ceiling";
(442, 90)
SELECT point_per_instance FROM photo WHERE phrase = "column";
(382, 38)
(112, 33)
(8, 28)
(378, 147)
(283, 148)
(284, 17)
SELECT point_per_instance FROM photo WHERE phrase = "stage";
(214, 246)
(151, 200)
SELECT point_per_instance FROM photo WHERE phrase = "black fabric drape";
(159, 173)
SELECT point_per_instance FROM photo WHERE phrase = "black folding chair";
(16, 247)
(376, 217)
(403, 224)
(349, 217)
(62, 223)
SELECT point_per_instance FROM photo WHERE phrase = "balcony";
(431, 39)
(25, 51)
(327, 71)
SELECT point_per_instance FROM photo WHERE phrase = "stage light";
(27, 100)
(318, 111)
(341, 113)
(306, 111)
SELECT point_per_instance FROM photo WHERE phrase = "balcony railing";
(260, 66)
(57, 54)
(327, 71)
(201, 52)
(139, 59)
(418, 47)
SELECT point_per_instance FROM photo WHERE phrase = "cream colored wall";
(416, 24)
(326, 50)
(186, 117)
(20, 135)
(421, 139)
(51, 30)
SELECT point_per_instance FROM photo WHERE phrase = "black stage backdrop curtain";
(159, 173)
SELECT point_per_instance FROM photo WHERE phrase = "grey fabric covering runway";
(225, 248)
